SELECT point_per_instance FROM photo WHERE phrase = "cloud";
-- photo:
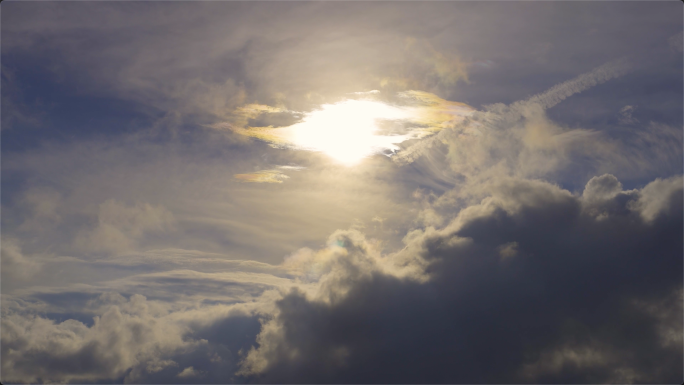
(267, 176)
(490, 296)
(508, 250)
(188, 286)
(598, 75)
(15, 265)
(111, 331)
(351, 130)
(433, 113)
(189, 372)
(560, 309)
(538, 131)
(36, 349)
(156, 275)
(194, 181)
(522, 140)
(508, 243)
(426, 68)
(120, 227)
(263, 176)
(659, 196)
(626, 115)
(41, 210)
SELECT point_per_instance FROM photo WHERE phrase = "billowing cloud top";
(447, 192)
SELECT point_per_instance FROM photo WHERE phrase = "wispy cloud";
(276, 175)
(263, 176)
(499, 117)
(425, 67)
(626, 115)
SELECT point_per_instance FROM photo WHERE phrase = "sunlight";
(353, 129)
(347, 131)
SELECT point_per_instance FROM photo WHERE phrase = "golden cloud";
(263, 176)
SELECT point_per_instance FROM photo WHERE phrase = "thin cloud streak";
(544, 100)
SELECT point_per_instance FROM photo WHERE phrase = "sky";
(341, 192)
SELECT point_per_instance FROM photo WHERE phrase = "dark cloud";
(562, 307)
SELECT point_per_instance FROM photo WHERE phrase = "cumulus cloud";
(659, 196)
(36, 349)
(189, 372)
(125, 338)
(555, 310)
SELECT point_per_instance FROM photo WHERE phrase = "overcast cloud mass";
(342, 192)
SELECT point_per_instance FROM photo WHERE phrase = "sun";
(346, 131)
(353, 129)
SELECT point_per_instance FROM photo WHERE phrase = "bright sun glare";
(347, 131)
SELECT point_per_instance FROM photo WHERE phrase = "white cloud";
(189, 372)
(658, 197)
(122, 336)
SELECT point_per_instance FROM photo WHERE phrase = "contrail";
(598, 75)
(545, 100)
